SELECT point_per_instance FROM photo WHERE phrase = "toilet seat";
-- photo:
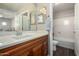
(54, 45)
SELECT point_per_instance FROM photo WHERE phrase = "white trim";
(50, 13)
(51, 29)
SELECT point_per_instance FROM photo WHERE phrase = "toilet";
(54, 45)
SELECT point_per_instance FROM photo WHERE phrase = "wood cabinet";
(37, 51)
(34, 47)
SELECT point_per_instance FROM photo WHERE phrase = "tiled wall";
(60, 29)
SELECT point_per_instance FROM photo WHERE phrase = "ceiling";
(63, 6)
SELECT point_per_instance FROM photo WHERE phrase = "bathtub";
(65, 42)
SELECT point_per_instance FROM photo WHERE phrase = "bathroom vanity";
(36, 45)
(25, 34)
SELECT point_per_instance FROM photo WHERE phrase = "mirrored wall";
(31, 18)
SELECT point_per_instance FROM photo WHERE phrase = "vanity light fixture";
(43, 10)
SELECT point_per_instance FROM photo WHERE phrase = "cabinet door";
(23, 52)
(18, 51)
(45, 48)
(37, 50)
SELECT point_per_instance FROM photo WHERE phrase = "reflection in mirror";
(6, 24)
(40, 19)
(29, 21)
(26, 22)
(32, 21)
(23, 20)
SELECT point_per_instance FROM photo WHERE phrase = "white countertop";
(10, 40)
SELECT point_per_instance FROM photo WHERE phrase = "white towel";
(47, 24)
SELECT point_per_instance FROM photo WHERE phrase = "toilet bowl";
(54, 45)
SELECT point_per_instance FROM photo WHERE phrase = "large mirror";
(27, 19)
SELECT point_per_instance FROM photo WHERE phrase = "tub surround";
(64, 25)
